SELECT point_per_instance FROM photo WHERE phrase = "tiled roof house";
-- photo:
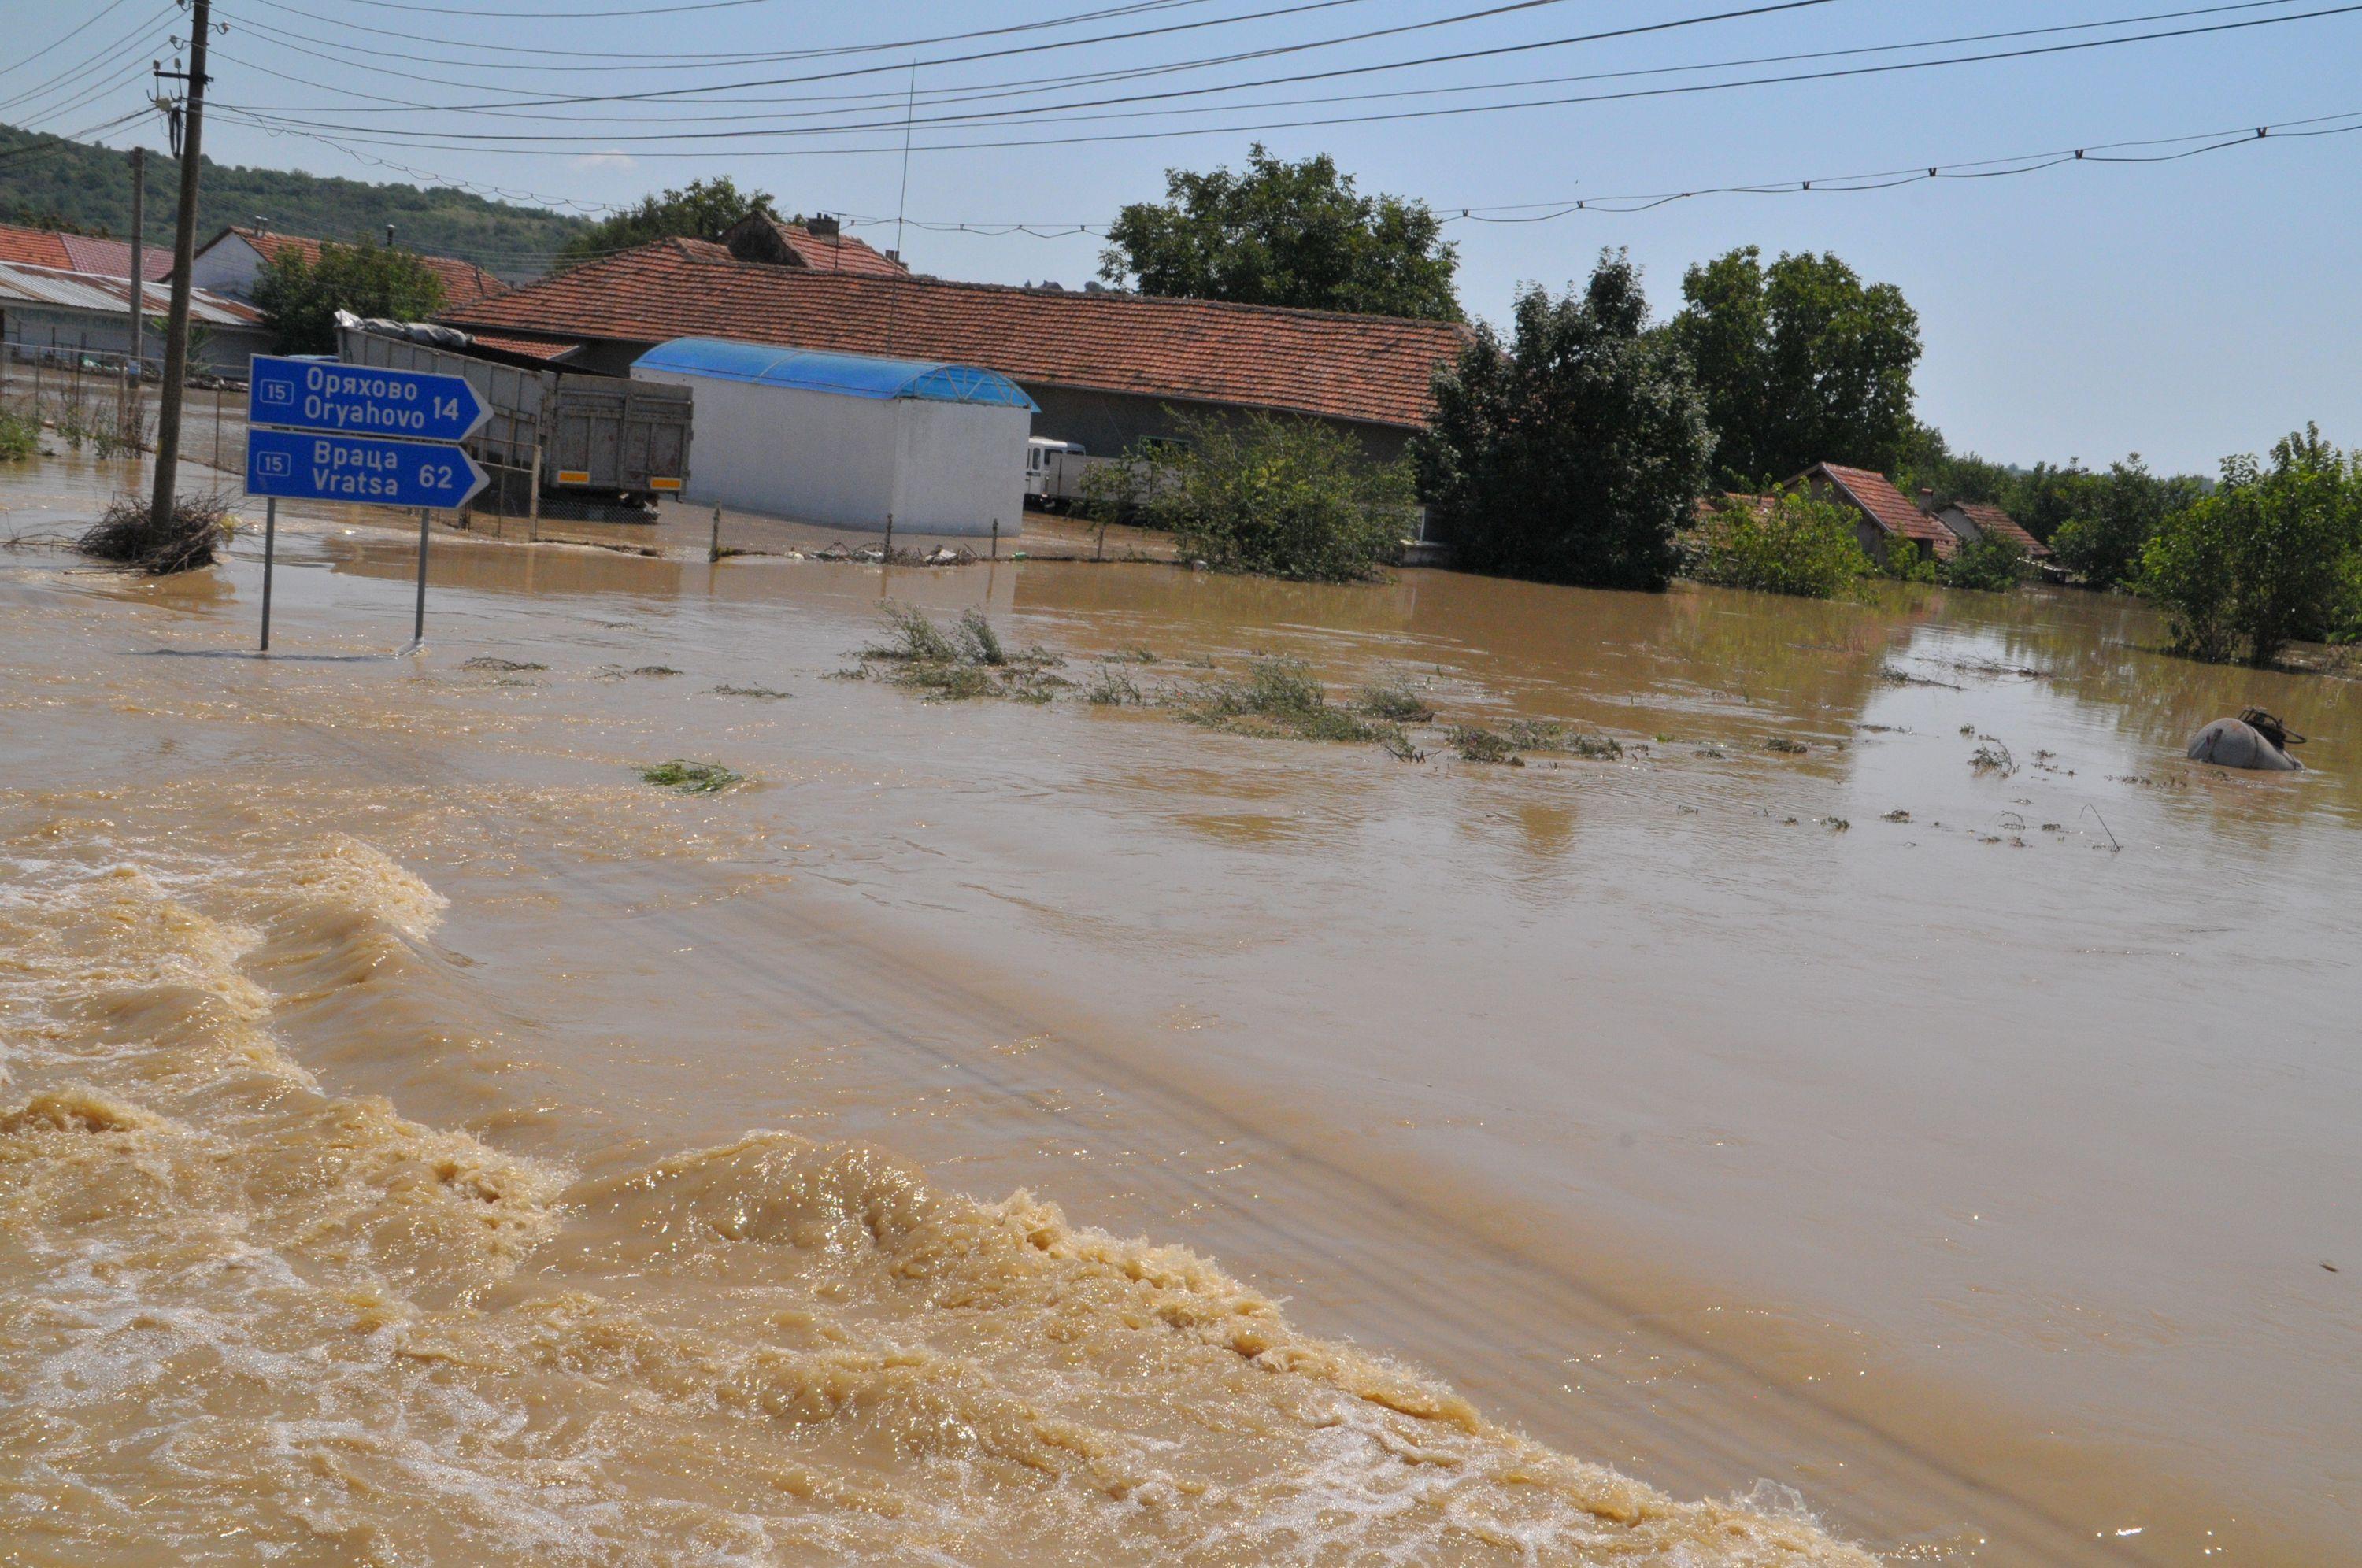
(1885, 516)
(1103, 365)
(231, 262)
(1971, 520)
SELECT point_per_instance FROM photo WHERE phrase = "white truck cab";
(1044, 459)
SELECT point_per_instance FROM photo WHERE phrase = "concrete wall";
(959, 466)
(816, 456)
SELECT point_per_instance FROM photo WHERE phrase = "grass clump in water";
(1478, 745)
(968, 661)
(1280, 698)
(1111, 689)
(690, 777)
(1549, 735)
(128, 534)
(498, 666)
(726, 690)
(1396, 701)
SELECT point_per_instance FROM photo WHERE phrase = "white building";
(849, 440)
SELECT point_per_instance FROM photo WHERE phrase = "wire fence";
(106, 403)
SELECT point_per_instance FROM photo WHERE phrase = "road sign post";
(321, 431)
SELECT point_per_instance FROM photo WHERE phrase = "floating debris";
(128, 534)
(725, 689)
(501, 666)
(690, 777)
(1788, 747)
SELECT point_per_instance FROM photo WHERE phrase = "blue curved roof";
(845, 375)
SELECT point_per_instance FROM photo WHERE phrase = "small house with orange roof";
(1884, 519)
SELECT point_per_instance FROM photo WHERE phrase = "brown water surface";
(426, 1142)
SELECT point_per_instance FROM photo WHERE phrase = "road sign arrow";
(362, 400)
(295, 465)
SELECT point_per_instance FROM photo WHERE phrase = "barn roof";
(1364, 368)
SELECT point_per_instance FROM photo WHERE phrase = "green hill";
(45, 178)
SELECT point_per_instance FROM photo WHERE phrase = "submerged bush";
(969, 660)
(130, 534)
(1281, 697)
(1784, 542)
(1992, 564)
(1269, 495)
(19, 436)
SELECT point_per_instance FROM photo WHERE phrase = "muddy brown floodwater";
(425, 1142)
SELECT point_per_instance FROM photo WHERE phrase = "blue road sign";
(361, 399)
(301, 465)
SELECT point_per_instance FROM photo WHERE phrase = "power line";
(705, 61)
(91, 20)
(675, 94)
(369, 136)
(1768, 8)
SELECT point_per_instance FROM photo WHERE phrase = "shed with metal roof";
(851, 440)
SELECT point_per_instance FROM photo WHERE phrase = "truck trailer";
(607, 448)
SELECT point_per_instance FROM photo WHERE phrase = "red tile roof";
(1366, 368)
(112, 258)
(464, 282)
(837, 252)
(34, 247)
(526, 346)
(1994, 520)
(1883, 504)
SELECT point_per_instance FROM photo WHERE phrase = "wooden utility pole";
(138, 289)
(185, 248)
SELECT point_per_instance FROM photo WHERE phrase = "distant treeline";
(49, 181)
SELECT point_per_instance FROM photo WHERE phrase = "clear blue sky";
(2183, 310)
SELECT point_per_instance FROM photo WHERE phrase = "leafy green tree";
(2265, 560)
(699, 210)
(1992, 564)
(1929, 462)
(1574, 452)
(1266, 493)
(1784, 542)
(1285, 233)
(302, 298)
(1800, 362)
(2045, 496)
(2110, 519)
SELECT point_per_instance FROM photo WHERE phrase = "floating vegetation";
(1395, 701)
(1835, 825)
(726, 690)
(1893, 676)
(128, 534)
(1993, 756)
(1785, 746)
(1477, 745)
(1279, 697)
(1132, 654)
(1896, 815)
(968, 661)
(690, 777)
(1549, 735)
(501, 666)
(1712, 754)
(1111, 689)
(658, 670)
